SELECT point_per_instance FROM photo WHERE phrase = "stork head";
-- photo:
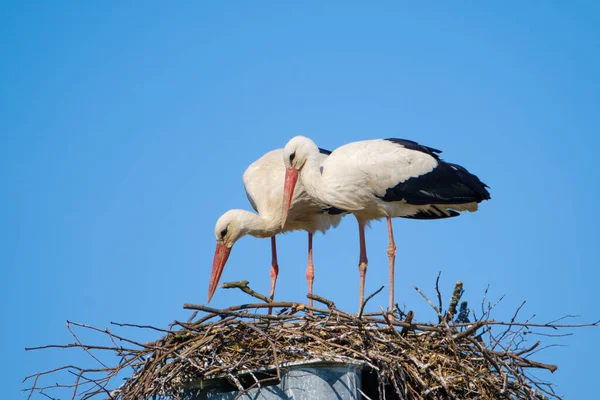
(295, 154)
(228, 230)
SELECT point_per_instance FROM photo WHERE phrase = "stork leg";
(310, 270)
(362, 266)
(392, 256)
(274, 269)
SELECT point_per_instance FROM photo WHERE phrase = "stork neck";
(313, 180)
(256, 225)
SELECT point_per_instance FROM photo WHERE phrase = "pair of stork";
(303, 187)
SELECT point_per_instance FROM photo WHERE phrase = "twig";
(243, 286)
(330, 304)
(438, 312)
(437, 291)
(409, 318)
(362, 306)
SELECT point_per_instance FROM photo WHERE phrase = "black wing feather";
(446, 184)
(422, 214)
(411, 145)
(331, 210)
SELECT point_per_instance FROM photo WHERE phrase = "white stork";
(263, 181)
(382, 178)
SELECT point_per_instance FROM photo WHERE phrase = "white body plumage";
(382, 178)
(263, 182)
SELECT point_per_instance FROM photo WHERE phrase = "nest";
(452, 358)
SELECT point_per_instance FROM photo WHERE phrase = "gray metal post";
(299, 381)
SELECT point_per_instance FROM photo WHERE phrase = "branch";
(362, 306)
(243, 286)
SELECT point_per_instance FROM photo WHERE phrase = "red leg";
(362, 266)
(274, 268)
(310, 271)
(392, 256)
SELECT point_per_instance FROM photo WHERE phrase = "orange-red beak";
(291, 177)
(221, 256)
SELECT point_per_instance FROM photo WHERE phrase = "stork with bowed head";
(382, 178)
(263, 181)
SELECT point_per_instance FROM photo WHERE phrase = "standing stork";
(263, 181)
(382, 178)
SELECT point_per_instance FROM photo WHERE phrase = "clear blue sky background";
(125, 129)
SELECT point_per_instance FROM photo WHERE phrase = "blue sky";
(125, 130)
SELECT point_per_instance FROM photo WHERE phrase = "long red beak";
(291, 177)
(221, 256)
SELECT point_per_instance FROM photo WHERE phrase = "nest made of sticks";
(451, 358)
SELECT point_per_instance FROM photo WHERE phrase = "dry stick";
(276, 361)
(237, 314)
(190, 325)
(140, 326)
(73, 345)
(243, 286)
(429, 302)
(97, 383)
(322, 300)
(492, 306)
(437, 290)
(550, 334)
(128, 362)
(364, 303)
(362, 356)
(427, 368)
(525, 361)
(109, 333)
(472, 329)
(529, 325)
(484, 352)
(395, 331)
(508, 329)
(518, 333)
(416, 326)
(564, 317)
(76, 385)
(483, 300)
(191, 318)
(85, 349)
(282, 304)
(408, 320)
(257, 383)
(439, 313)
(50, 397)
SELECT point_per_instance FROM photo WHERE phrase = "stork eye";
(223, 233)
(292, 156)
